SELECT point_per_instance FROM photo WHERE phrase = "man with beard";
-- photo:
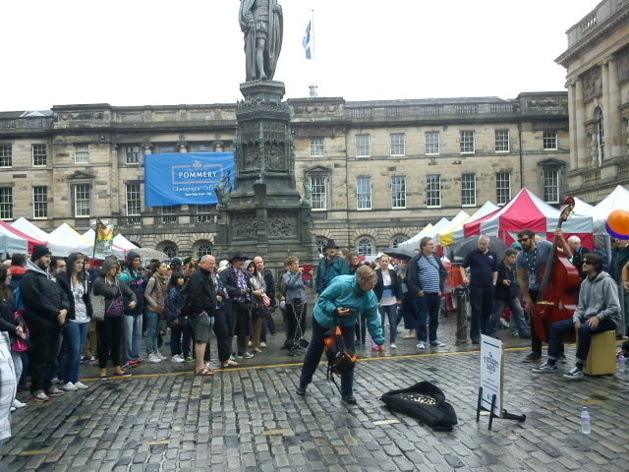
(46, 309)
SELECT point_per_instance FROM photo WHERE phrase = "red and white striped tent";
(527, 210)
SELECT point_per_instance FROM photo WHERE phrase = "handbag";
(266, 301)
(98, 302)
(18, 344)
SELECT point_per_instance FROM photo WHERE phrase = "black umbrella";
(461, 248)
(399, 253)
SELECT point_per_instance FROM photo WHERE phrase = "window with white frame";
(81, 197)
(365, 247)
(398, 239)
(320, 244)
(363, 193)
(6, 155)
(468, 189)
(551, 186)
(432, 142)
(316, 148)
(433, 191)
(168, 215)
(170, 250)
(319, 196)
(466, 141)
(363, 145)
(204, 213)
(503, 187)
(502, 140)
(549, 140)
(203, 250)
(39, 154)
(167, 148)
(6, 203)
(134, 200)
(132, 154)
(81, 154)
(398, 144)
(40, 202)
(398, 191)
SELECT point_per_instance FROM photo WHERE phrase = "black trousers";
(43, 352)
(110, 330)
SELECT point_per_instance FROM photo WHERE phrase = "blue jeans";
(152, 325)
(74, 337)
(132, 329)
(585, 337)
(517, 313)
(427, 309)
(315, 350)
(390, 311)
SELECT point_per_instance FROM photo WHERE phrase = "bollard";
(461, 314)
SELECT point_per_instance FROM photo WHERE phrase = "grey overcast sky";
(151, 52)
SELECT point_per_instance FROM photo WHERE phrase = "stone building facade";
(597, 63)
(375, 172)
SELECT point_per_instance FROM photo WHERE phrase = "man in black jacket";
(507, 295)
(235, 280)
(201, 301)
(46, 309)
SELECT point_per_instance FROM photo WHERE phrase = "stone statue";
(223, 189)
(307, 200)
(262, 23)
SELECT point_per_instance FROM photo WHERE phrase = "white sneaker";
(262, 344)
(393, 346)
(69, 387)
(154, 359)
(81, 386)
(160, 355)
(18, 404)
(177, 359)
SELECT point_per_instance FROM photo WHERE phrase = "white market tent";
(618, 199)
(446, 237)
(79, 243)
(583, 208)
(123, 243)
(58, 247)
(429, 230)
(438, 227)
(458, 219)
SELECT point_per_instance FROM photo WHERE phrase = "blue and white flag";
(307, 41)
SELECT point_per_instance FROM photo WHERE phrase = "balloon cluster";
(617, 224)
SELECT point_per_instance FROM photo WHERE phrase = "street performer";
(598, 310)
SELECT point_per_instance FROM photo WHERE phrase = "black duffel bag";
(425, 402)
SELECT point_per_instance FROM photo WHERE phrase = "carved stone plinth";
(264, 213)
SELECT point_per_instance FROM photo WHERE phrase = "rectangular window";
(168, 215)
(432, 142)
(503, 187)
(204, 213)
(6, 155)
(167, 149)
(468, 189)
(132, 154)
(363, 145)
(433, 191)
(40, 202)
(502, 140)
(6, 203)
(81, 200)
(398, 191)
(467, 141)
(363, 193)
(316, 148)
(398, 144)
(81, 154)
(551, 186)
(39, 155)
(319, 193)
(550, 140)
(134, 200)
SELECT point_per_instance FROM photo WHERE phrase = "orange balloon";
(618, 221)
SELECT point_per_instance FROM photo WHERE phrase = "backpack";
(18, 303)
(340, 360)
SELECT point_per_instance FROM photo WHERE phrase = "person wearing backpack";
(133, 277)
(345, 299)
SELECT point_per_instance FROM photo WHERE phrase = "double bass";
(558, 294)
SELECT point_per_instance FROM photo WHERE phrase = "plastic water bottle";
(585, 420)
(622, 364)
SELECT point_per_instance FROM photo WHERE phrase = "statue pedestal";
(264, 214)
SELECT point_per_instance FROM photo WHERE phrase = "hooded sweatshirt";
(598, 297)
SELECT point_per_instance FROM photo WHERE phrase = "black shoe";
(350, 400)
(476, 341)
(532, 357)
(301, 390)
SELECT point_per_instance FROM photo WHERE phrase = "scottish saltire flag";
(307, 41)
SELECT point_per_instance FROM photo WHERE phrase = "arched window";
(170, 250)
(600, 136)
(320, 243)
(203, 249)
(398, 239)
(366, 247)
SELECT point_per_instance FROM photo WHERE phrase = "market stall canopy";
(447, 236)
(67, 234)
(123, 243)
(58, 247)
(527, 210)
(455, 222)
(618, 199)
(413, 243)
(16, 241)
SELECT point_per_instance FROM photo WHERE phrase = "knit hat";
(175, 261)
(132, 255)
(40, 251)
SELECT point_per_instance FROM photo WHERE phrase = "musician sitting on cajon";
(598, 310)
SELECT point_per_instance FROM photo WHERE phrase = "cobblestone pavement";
(249, 418)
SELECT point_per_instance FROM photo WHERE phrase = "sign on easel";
(491, 370)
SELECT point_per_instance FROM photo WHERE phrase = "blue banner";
(186, 178)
